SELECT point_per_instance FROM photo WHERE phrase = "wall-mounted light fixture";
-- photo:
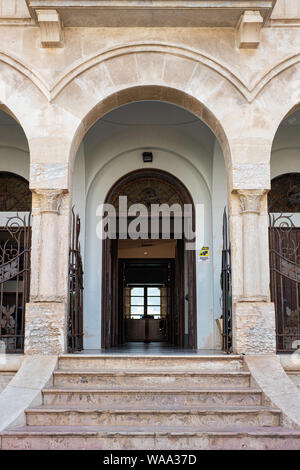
(147, 157)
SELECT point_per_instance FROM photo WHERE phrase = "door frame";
(109, 298)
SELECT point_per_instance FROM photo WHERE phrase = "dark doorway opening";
(147, 300)
(148, 266)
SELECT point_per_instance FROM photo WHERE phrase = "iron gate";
(75, 329)
(15, 248)
(226, 287)
(284, 242)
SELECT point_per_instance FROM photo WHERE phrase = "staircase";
(152, 402)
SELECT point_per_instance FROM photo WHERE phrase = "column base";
(46, 328)
(254, 328)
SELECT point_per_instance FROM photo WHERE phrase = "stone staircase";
(152, 402)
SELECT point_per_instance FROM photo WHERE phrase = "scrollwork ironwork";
(284, 240)
(15, 248)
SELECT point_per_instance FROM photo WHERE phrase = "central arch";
(149, 186)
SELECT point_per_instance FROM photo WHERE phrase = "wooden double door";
(176, 275)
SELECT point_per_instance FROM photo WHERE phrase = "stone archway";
(162, 188)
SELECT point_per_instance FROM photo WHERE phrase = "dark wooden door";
(191, 299)
(112, 320)
(109, 325)
(179, 304)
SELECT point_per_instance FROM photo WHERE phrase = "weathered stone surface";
(46, 328)
(5, 378)
(125, 417)
(173, 363)
(194, 378)
(261, 438)
(49, 175)
(25, 389)
(254, 328)
(277, 386)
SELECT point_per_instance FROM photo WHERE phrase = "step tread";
(165, 390)
(130, 409)
(178, 355)
(86, 431)
(141, 372)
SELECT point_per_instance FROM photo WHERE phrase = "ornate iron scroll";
(284, 239)
(15, 248)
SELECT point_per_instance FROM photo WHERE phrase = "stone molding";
(47, 298)
(251, 298)
(51, 90)
(50, 200)
(250, 201)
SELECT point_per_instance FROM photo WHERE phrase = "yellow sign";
(204, 253)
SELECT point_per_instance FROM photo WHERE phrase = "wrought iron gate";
(226, 287)
(284, 241)
(15, 248)
(75, 330)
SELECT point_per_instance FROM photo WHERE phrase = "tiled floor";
(154, 349)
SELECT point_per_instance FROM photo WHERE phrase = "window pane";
(137, 310)
(137, 300)
(137, 291)
(153, 300)
(153, 291)
(153, 310)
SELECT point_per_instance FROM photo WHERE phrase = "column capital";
(250, 200)
(50, 199)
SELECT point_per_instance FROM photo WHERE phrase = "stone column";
(46, 314)
(253, 313)
(250, 205)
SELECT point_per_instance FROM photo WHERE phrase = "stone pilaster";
(253, 313)
(250, 208)
(46, 314)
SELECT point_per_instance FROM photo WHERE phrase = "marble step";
(205, 416)
(123, 362)
(163, 438)
(147, 397)
(207, 379)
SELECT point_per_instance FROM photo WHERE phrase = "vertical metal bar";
(75, 317)
(226, 287)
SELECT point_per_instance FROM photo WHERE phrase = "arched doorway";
(284, 232)
(284, 236)
(149, 288)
